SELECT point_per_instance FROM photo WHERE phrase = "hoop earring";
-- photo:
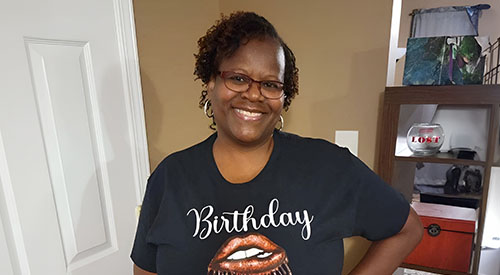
(205, 109)
(282, 123)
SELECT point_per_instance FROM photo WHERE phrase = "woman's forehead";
(266, 55)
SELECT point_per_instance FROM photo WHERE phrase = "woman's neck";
(239, 163)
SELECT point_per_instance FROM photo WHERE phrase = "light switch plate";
(347, 139)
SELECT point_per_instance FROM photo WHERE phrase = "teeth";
(243, 254)
(252, 252)
(238, 255)
(264, 255)
(247, 113)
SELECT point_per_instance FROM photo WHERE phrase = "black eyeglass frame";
(223, 75)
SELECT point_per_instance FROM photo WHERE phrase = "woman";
(253, 200)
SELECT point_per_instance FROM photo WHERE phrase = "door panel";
(69, 116)
(11, 239)
(5, 260)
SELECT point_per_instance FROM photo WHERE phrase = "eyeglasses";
(240, 83)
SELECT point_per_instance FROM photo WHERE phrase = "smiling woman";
(251, 199)
(247, 116)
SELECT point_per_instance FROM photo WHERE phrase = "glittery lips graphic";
(250, 254)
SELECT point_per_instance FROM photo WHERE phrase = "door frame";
(125, 24)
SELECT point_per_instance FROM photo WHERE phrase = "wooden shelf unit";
(440, 158)
(485, 96)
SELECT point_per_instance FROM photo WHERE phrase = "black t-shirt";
(290, 218)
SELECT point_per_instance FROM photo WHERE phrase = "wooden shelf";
(399, 171)
(457, 95)
(467, 200)
(459, 196)
(441, 158)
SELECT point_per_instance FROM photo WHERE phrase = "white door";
(73, 159)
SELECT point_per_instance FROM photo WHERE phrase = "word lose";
(434, 139)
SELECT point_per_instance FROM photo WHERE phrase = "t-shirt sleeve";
(144, 252)
(381, 211)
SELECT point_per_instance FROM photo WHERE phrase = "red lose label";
(433, 139)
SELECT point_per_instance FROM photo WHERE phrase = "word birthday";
(236, 221)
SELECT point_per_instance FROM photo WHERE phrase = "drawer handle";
(434, 230)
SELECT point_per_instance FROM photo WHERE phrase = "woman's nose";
(253, 93)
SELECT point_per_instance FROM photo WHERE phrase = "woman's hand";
(383, 257)
(140, 271)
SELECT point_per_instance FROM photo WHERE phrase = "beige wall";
(167, 32)
(341, 49)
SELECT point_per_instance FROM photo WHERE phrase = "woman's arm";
(140, 271)
(383, 257)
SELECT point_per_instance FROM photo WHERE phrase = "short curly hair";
(226, 36)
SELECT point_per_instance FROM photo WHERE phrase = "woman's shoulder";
(190, 155)
(314, 151)
(311, 144)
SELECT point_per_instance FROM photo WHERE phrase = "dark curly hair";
(226, 36)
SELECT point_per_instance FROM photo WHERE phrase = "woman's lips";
(249, 254)
(248, 115)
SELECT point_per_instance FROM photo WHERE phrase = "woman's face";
(248, 117)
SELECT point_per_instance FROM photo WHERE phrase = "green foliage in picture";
(443, 61)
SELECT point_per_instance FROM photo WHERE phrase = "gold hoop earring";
(205, 109)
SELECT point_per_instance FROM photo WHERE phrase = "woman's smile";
(248, 115)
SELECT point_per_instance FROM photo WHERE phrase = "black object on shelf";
(463, 153)
(453, 201)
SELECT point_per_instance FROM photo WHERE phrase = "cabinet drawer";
(448, 239)
(449, 251)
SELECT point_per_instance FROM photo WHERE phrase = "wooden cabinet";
(470, 118)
